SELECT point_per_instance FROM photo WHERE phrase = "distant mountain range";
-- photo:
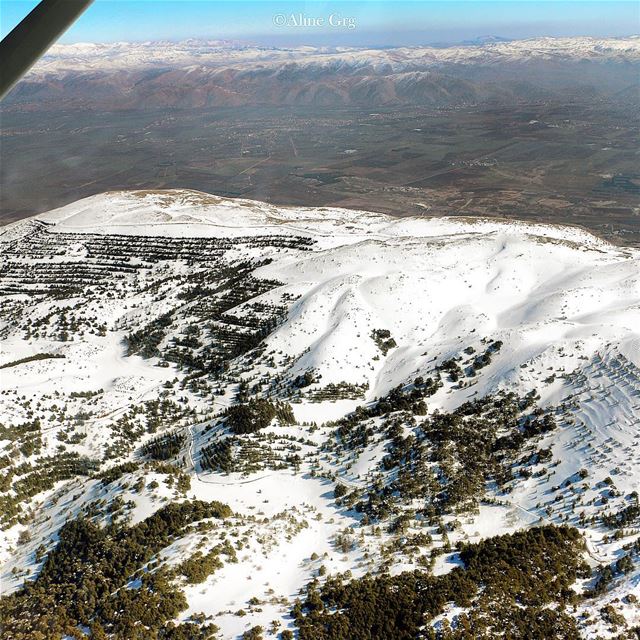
(219, 73)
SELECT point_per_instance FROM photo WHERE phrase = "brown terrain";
(555, 144)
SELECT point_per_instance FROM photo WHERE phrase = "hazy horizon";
(365, 23)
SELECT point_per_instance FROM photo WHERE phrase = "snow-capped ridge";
(62, 58)
(182, 212)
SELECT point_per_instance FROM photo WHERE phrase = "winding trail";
(192, 463)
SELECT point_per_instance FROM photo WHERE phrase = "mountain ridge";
(170, 205)
(199, 75)
(168, 53)
(364, 392)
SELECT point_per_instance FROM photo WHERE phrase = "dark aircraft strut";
(29, 40)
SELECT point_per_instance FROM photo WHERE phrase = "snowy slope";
(435, 284)
(564, 304)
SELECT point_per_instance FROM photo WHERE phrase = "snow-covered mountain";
(130, 75)
(132, 55)
(367, 394)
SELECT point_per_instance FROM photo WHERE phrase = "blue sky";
(377, 22)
